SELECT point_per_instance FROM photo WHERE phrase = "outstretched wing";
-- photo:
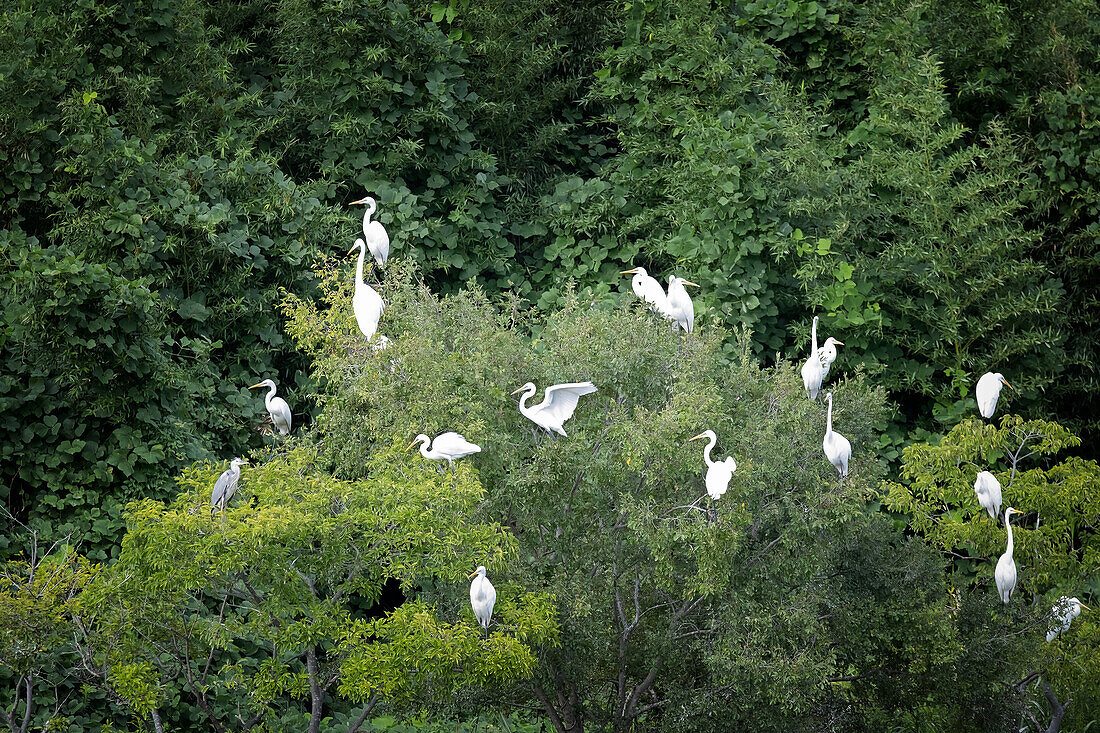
(454, 444)
(561, 400)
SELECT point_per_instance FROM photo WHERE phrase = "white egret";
(812, 371)
(647, 288)
(276, 406)
(556, 407)
(226, 485)
(988, 489)
(719, 473)
(1065, 610)
(837, 448)
(678, 305)
(988, 391)
(366, 303)
(483, 596)
(378, 239)
(449, 446)
(1005, 575)
(828, 355)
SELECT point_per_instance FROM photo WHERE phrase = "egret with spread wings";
(557, 406)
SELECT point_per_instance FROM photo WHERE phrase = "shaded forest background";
(925, 177)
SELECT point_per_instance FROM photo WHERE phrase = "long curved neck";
(813, 337)
(1008, 525)
(708, 449)
(527, 394)
(359, 267)
(371, 206)
(424, 450)
(270, 394)
(829, 417)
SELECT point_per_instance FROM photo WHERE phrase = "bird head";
(688, 282)
(358, 243)
(265, 383)
(365, 201)
(829, 397)
(236, 462)
(480, 571)
(833, 341)
(636, 270)
(1003, 381)
(420, 438)
(1010, 510)
(704, 434)
(529, 385)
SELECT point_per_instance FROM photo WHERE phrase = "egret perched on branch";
(837, 448)
(988, 391)
(1005, 575)
(678, 304)
(719, 473)
(450, 446)
(647, 288)
(988, 489)
(378, 239)
(812, 371)
(828, 355)
(226, 485)
(1065, 610)
(556, 407)
(276, 406)
(366, 303)
(483, 596)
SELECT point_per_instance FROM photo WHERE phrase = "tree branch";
(366, 711)
(315, 693)
(1057, 711)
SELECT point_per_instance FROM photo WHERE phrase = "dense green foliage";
(924, 177)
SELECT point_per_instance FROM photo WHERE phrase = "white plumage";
(988, 391)
(719, 473)
(1005, 574)
(812, 371)
(647, 288)
(378, 239)
(1065, 610)
(366, 303)
(678, 305)
(827, 352)
(837, 448)
(448, 446)
(556, 407)
(988, 489)
(276, 407)
(226, 485)
(483, 596)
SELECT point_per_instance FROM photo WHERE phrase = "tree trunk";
(315, 693)
(1057, 711)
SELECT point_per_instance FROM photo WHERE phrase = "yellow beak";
(629, 272)
(687, 282)
(411, 445)
(701, 435)
(472, 574)
(518, 390)
(1085, 607)
(1007, 384)
(839, 343)
(352, 249)
(256, 385)
(361, 201)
